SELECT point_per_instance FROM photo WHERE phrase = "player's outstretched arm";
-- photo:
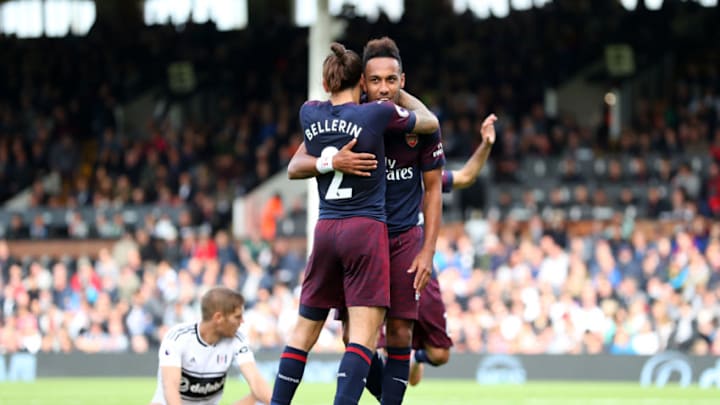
(303, 165)
(171, 384)
(425, 121)
(467, 175)
(259, 388)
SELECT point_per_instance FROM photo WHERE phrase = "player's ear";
(325, 86)
(217, 316)
(362, 83)
(402, 80)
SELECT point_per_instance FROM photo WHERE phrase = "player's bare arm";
(467, 175)
(432, 212)
(259, 388)
(426, 122)
(171, 384)
(303, 165)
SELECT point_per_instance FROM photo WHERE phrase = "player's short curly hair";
(383, 47)
(220, 299)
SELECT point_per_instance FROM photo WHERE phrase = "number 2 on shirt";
(334, 191)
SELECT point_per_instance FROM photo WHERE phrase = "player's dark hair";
(220, 299)
(342, 69)
(381, 48)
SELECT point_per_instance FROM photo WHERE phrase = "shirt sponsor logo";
(397, 174)
(198, 387)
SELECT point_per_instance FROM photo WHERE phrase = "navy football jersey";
(406, 158)
(328, 128)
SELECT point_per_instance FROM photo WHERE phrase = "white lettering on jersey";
(438, 151)
(332, 126)
(406, 173)
(393, 174)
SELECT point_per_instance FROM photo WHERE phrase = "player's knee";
(302, 342)
(438, 356)
(305, 334)
(398, 334)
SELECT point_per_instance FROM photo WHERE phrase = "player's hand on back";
(488, 129)
(349, 162)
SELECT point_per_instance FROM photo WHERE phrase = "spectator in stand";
(712, 189)
(656, 204)
(272, 213)
(17, 228)
(687, 180)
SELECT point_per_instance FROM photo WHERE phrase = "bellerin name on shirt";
(333, 126)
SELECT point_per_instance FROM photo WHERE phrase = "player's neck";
(351, 95)
(207, 334)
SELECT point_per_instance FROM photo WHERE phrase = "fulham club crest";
(411, 140)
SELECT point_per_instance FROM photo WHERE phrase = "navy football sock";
(290, 372)
(352, 372)
(395, 375)
(375, 376)
(422, 357)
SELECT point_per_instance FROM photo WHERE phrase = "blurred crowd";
(618, 289)
(516, 278)
(234, 129)
(509, 287)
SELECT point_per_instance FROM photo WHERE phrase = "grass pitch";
(128, 391)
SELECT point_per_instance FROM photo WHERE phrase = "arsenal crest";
(411, 140)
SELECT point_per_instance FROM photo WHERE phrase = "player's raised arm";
(425, 121)
(171, 384)
(467, 175)
(303, 165)
(259, 388)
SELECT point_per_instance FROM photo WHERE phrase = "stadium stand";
(581, 244)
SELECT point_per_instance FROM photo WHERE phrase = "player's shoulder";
(379, 104)
(240, 342)
(387, 106)
(181, 331)
(240, 336)
(312, 104)
(433, 140)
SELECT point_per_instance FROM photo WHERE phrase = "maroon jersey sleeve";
(401, 120)
(432, 155)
